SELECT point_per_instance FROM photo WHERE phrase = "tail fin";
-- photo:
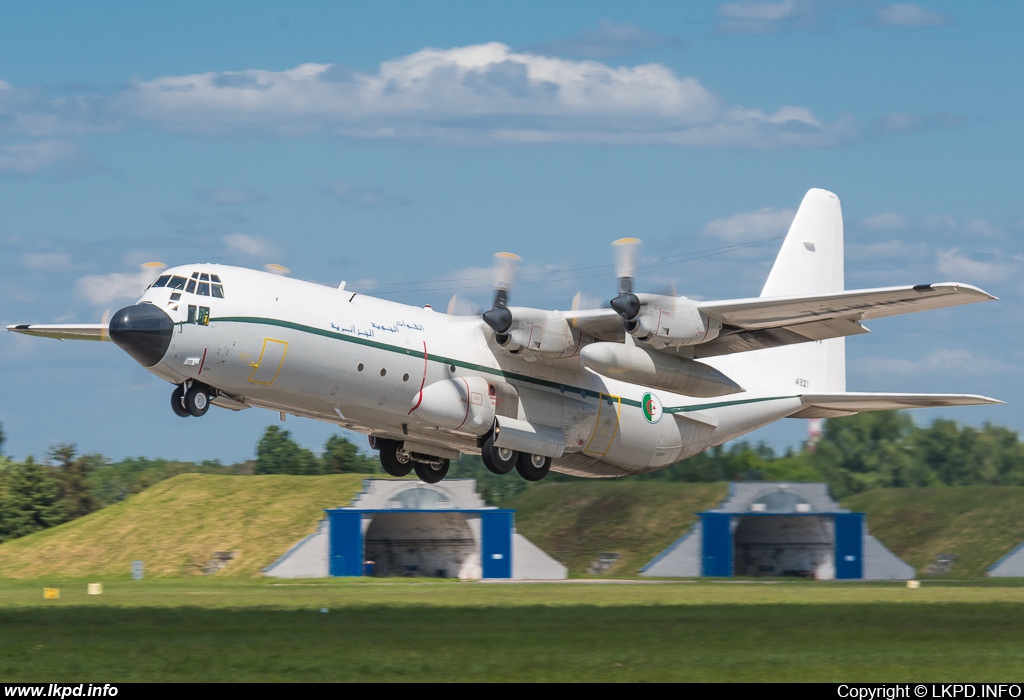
(810, 262)
(811, 259)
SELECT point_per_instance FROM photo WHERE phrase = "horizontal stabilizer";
(848, 403)
(74, 331)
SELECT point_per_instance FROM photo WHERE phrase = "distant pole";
(813, 433)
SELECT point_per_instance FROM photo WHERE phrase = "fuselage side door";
(268, 366)
(606, 427)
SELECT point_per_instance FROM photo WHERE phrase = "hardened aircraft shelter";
(1010, 565)
(779, 529)
(400, 527)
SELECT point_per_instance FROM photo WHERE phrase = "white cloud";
(886, 221)
(983, 228)
(908, 14)
(106, 290)
(28, 158)
(761, 17)
(608, 40)
(888, 249)
(476, 94)
(750, 226)
(938, 360)
(48, 262)
(227, 196)
(251, 246)
(962, 268)
(942, 223)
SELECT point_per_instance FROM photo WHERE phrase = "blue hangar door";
(716, 544)
(850, 546)
(496, 536)
(346, 528)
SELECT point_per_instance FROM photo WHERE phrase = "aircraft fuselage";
(361, 362)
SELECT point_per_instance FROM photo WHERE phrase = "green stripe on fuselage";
(565, 388)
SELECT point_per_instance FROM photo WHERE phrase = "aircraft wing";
(60, 331)
(848, 403)
(603, 324)
(857, 305)
(768, 322)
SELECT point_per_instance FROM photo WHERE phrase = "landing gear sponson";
(396, 461)
(191, 399)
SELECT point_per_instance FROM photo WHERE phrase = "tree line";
(854, 454)
(867, 451)
(35, 495)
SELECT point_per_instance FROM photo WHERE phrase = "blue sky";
(399, 145)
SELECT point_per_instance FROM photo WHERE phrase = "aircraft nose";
(143, 331)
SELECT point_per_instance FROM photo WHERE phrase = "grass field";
(401, 630)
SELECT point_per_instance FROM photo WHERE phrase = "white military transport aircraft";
(598, 393)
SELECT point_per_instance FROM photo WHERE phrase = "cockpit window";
(203, 284)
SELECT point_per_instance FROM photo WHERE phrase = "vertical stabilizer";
(811, 259)
(810, 262)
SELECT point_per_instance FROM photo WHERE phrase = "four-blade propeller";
(498, 317)
(626, 304)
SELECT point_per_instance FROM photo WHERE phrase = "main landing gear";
(191, 399)
(501, 460)
(397, 462)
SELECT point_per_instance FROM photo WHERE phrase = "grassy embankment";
(979, 524)
(575, 522)
(175, 527)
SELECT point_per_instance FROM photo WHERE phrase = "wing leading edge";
(73, 331)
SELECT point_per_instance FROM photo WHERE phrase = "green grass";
(979, 524)
(176, 525)
(574, 522)
(244, 630)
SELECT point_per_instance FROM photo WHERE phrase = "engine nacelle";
(658, 370)
(538, 333)
(463, 404)
(666, 321)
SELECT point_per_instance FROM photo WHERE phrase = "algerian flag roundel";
(651, 407)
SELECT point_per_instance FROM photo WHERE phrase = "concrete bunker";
(779, 530)
(402, 527)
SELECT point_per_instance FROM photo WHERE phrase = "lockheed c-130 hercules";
(631, 388)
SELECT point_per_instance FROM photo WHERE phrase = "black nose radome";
(143, 331)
